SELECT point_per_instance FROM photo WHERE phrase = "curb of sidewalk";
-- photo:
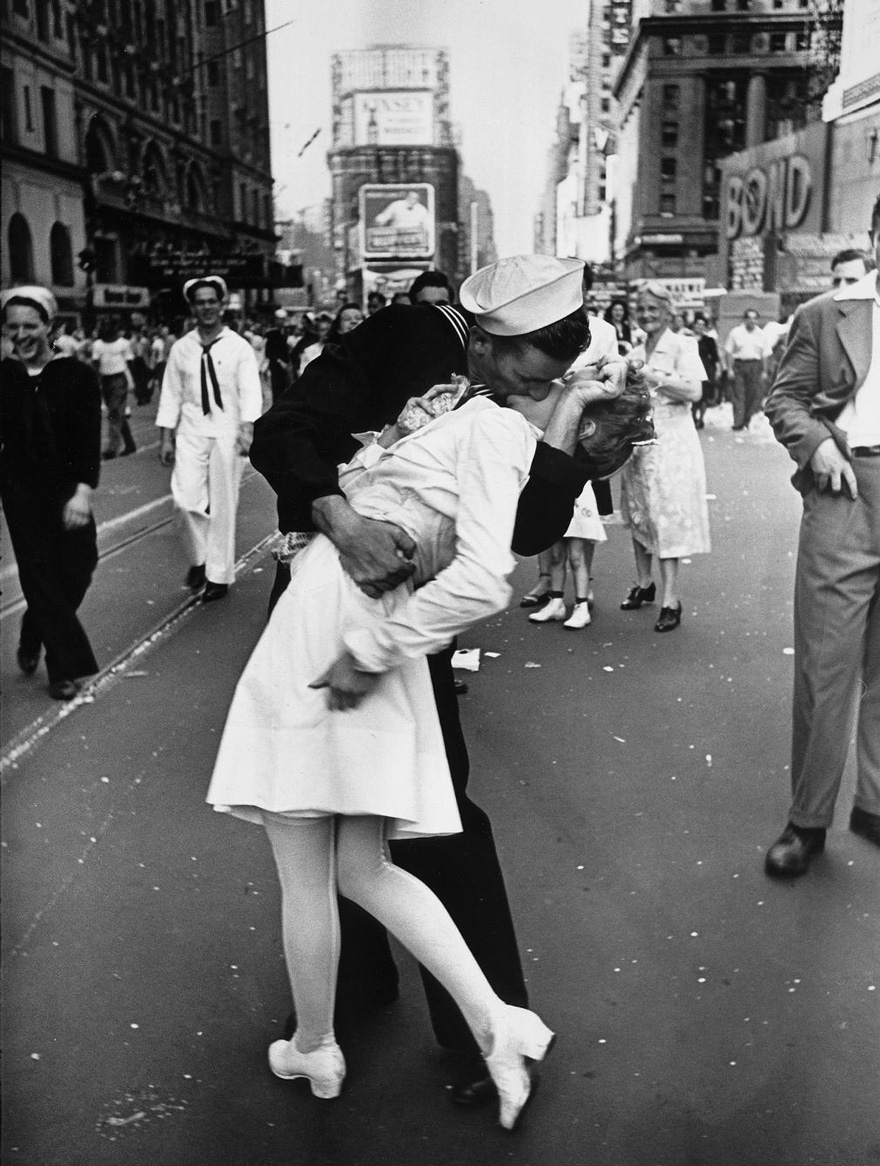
(32, 734)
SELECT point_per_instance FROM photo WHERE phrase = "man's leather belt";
(865, 451)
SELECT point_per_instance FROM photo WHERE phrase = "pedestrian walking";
(305, 764)
(112, 355)
(747, 351)
(710, 358)
(51, 457)
(277, 353)
(825, 409)
(663, 489)
(210, 398)
(361, 384)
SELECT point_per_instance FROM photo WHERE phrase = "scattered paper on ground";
(467, 658)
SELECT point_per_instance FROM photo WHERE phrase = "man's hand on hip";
(831, 470)
(377, 555)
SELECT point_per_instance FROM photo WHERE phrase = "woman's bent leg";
(304, 850)
(417, 918)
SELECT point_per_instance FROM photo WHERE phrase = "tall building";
(394, 168)
(701, 80)
(575, 217)
(136, 141)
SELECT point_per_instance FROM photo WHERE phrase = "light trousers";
(837, 649)
(318, 857)
(205, 486)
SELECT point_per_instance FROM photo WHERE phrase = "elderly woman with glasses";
(663, 489)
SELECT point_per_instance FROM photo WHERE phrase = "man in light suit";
(825, 409)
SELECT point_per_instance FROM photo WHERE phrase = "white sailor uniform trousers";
(207, 392)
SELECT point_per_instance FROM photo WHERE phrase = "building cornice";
(10, 152)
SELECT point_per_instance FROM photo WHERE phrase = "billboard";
(397, 222)
(403, 117)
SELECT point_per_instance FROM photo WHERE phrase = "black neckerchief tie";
(208, 364)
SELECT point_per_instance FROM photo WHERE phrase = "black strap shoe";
(669, 619)
(793, 851)
(638, 596)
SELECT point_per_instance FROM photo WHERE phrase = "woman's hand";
(346, 685)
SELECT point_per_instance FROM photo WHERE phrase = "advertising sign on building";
(403, 117)
(110, 295)
(397, 222)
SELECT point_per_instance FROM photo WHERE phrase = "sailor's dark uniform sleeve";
(546, 503)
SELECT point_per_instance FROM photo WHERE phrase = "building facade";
(135, 148)
(395, 171)
(702, 79)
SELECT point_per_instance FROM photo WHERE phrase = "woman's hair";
(334, 332)
(622, 423)
(609, 311)
(658, 291)
(563, 339)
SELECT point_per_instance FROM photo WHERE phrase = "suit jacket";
(825, 362)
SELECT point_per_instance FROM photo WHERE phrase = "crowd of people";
(487, 427)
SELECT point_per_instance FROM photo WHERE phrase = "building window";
(672, 46)
(28, 110)
(210, 13)
(743, 5)
(741, 45)
(106, 265)
(42, 11)
(717, 43)
(216, 132)
(242, 201)
(213, 74)
(669, 133)
(724, 133)
(668, 169)
(667, 204)
(670, 97)
(50, 121)
(778, 42)
(719, 5)
(673, 7)
(22, 8)
(802, 40)
(605, 105)
(21, 250)
(787, 104)
(7, 106)
(61, 255)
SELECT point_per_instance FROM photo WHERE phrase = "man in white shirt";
(112, 354)
(747, 351)
(825, 408)
(211, 397)
(405, 214)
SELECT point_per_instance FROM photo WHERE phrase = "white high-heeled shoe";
(518, 1038)
(324, 1068)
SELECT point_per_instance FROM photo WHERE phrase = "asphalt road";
(706, 1015)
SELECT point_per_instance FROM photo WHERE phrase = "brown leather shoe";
(793, 851)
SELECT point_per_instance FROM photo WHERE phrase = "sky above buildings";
(508, 66)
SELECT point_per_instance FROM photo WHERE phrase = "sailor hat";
(40, 297)
(521, 294)
(216, 281)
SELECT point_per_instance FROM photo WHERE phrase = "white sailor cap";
(40, 297)
(523, 293)
(216, 281)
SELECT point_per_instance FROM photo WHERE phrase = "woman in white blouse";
(333, 742)
(663, 489)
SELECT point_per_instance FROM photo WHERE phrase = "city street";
(707, 1016)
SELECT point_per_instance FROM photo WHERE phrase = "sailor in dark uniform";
(522, 322)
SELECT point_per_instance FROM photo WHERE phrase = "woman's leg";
(669, 580)
(416, 917)
(643, 565)
(580, 559)
(304, 850)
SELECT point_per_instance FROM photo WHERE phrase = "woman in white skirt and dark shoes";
(333, 743)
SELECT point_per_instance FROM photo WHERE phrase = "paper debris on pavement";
(466, 658)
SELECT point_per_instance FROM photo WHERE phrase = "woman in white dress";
(663, 489)
(333, 743)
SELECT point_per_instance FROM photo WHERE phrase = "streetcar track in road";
(33, 733)
(17, 604)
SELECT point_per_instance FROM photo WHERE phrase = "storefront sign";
(686, 293)
(111, 295)
(397, 222)
(238, 268)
